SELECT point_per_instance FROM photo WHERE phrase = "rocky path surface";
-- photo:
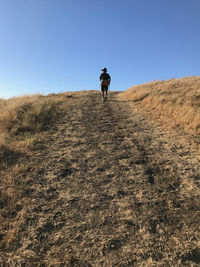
(111, 188)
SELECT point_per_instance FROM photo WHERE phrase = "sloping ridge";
(109, 189)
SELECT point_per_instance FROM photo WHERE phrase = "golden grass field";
(86, 183)
(176, 102)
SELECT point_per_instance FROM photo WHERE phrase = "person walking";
(105, 80)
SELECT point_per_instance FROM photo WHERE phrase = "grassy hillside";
(23, 123)
(22, 120)
(176, 102)
(91, 183)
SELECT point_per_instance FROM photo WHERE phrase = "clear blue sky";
(61, 45)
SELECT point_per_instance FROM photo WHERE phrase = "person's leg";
(106, 90)
(102, 92)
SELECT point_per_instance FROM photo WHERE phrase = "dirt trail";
(110, 189)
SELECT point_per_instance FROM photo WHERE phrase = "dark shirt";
(105, 77)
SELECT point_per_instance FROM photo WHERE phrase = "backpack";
(105, 83)
(104, 79)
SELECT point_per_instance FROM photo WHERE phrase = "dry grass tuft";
(176, 101)
(27, 115)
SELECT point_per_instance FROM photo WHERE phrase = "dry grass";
(27, 115)
(176, 102)
(108, 188)
(23, 123)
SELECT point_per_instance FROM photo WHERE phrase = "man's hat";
(104, 69)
